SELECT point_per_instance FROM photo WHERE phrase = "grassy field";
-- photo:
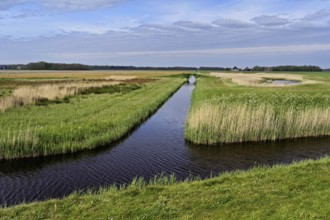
(224, 112)
(298, 191)
(65, 75)
(91, 118)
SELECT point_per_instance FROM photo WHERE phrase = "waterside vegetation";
(298, 191)
(90, 117)
(224, 112)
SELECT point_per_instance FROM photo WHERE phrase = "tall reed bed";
(229, 114)
(33, 94)
(84, 123)
(214, 123)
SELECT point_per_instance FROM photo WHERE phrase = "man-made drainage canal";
(156, 147)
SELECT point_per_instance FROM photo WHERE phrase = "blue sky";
(166, 33)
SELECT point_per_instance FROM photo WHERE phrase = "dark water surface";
(157, 146)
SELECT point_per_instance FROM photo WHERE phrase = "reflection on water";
(285, 82)
(244, 156)
(157, 146)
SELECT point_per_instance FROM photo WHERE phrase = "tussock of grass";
(223, 112)
(298, 191)
(5, 92)
(86, 122)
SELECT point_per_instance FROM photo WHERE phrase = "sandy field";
(261, 79)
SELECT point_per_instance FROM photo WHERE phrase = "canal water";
(157, 146)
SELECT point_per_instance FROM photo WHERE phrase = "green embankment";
(225, 112)
(298, 191)
(85, 122)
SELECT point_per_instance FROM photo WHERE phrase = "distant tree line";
(12, 67)
(76, 66)
(206, 68)
(288, 69)
(62, 66)
(56, 66)
(96, 67)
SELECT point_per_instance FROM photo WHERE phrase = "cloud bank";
(154, 33)
(77, 5)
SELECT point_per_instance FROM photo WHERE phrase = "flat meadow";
(224, 110)
(55, 112)
(244, 107)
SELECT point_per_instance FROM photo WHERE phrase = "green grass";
(224, 112)
(5, 92)
(85, 122)
(298, 191)
(121, 88)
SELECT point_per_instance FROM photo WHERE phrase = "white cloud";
(157, 28)
(6, 4)
(25, 14)
(318, 16)
(77, 5)
(294, 49)
(194, 25)
(266, 20)
(230, 23)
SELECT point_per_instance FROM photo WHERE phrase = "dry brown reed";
(214, 123)
(32, 94)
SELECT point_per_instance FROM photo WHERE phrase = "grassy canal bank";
(252, 112)
(98, 111)
(228, 109)
(298, 191)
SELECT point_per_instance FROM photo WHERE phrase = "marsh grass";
(214, 123)
(33, 94)
(86, 122)
(223, 112)
(115, 88)
(297, 191)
